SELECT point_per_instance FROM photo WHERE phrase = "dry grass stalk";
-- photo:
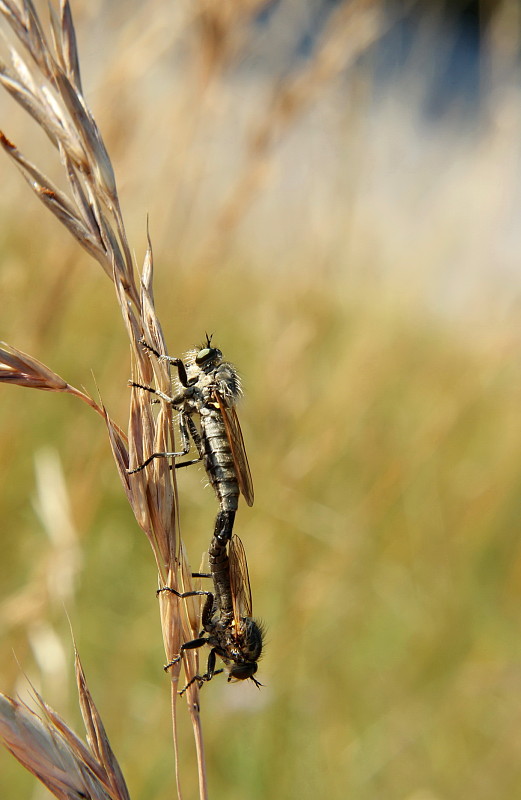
(49, 749)
(53, 97)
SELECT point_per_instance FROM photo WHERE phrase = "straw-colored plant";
(45, 79)
(48, 748)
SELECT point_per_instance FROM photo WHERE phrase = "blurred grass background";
(344, 219)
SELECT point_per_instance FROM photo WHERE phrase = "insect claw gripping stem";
(177, 362)
(193, 593)
(201, 679)
(184, 435)
(172, 663)
(150, 389)
(150, 459)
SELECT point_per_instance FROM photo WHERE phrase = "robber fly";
(226, 617)
(209, 388)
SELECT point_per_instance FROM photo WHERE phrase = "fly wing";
(236, 442)
(239, 580)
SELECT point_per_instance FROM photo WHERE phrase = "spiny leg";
(210, 667)
(186, 446)
(177, 362)
(186, 427)
(208, 675)
(148, 460)
(194, 644)
(201, 678)
(205, 617)
(192, 593)
(162, 395)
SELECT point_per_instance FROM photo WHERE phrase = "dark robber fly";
(209, 388)
(232, 633)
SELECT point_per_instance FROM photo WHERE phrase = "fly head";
(207, 356)
(241, 672)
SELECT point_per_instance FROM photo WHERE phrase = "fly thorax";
(225, 618)
(193, 400)
(228, 383)
(220, 626)
(248, 638)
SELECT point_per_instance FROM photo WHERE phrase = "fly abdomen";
(219, 462)
(220, 568)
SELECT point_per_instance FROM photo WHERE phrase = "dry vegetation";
(359, 262)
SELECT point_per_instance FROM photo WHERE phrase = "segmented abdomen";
(220, 569)
(218, 459)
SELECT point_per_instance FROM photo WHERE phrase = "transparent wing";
(239, 580)
(236, 442)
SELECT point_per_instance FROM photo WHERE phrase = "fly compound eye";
(206, 355)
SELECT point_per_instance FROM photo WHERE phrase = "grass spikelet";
(44, 78)
(52, 752)
(21, 369)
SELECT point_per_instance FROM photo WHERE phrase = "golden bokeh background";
(346, 223)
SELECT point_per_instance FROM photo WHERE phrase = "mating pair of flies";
(208, 389)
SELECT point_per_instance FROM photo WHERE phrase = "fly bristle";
(263, 629)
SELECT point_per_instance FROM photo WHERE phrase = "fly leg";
(183, 452)
(208, 675)
(187, 594)
(151, 389)
(177, 362)
(189, 430)
(207, 608)
(201, 679)
(195, 643)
